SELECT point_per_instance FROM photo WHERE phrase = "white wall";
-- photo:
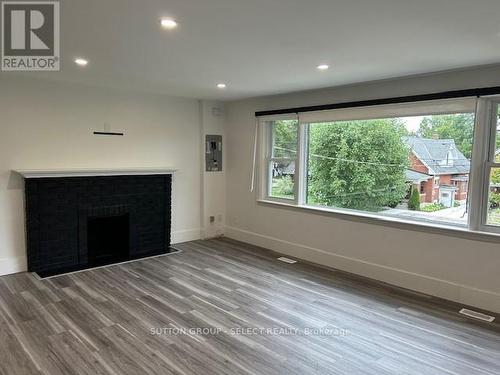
(213, 121)
(48, 126)
(454, 268)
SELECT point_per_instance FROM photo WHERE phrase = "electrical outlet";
(219, 218)
(212, 219)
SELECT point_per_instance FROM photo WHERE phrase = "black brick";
(55, 207)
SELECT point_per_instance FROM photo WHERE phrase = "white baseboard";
(179, 236)
(13, 265)
(464, 294)
(207, 234)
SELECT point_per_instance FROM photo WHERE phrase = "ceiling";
(260, 47)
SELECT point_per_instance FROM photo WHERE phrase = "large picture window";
(410, 167)
(409, 162)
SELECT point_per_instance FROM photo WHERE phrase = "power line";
(356, 161)
(436, 162)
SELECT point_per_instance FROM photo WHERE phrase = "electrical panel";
(213, 153)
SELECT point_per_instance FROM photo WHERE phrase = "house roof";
(289, 169)
(440, 156)
(416, 177)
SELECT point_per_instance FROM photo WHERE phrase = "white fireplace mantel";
(48, 173)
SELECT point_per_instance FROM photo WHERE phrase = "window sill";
(443, 229)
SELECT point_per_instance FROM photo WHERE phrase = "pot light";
(81, 62)
(322, 67)
(221, 85)
(168, 23)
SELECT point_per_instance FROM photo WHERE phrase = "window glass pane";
(282, 179)
(494, 199)
(285, 139)
(497, 143)
(414, 168)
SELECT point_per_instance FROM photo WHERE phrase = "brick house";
(438, 169)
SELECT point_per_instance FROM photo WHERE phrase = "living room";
(231, 187)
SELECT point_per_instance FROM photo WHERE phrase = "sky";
(413, 123)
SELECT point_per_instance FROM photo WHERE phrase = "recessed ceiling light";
(322, 67)
(221, 85)
(81, 62)
(168, 23)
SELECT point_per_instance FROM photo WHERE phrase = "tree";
(357, 164)
(495, 176)
(414, 201)
(285, 138)
(459, 127)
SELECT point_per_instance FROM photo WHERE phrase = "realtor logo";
(30, 35)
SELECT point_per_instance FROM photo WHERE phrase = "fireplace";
(87, 220)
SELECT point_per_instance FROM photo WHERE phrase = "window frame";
(482, 161)
(266, 134)
(485, 144)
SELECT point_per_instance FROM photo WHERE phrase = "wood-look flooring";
(100, 321)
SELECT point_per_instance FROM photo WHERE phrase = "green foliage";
(283, 187)
(494, 216)
(494, 200)
(357, 164)
(495, 176)
(414, 201)
(459, 127)
(433, 207)
(285, 138)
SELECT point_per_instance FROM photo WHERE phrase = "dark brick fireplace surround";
(74, 223)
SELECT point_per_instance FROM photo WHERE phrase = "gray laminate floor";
(266, 317)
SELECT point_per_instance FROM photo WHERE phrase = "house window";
(365, 160)
(491, 204)
(282, 159)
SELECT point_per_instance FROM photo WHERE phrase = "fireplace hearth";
(78, 222)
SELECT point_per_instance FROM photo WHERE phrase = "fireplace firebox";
(108, 239)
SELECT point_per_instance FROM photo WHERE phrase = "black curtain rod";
(396, 100)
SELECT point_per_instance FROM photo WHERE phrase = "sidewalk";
(453, 215)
